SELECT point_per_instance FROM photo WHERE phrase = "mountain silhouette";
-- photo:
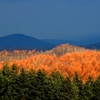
(93, 46)
(21, 41)
(88, 41)
(60, 41)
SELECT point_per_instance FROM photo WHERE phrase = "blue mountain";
(21, 41)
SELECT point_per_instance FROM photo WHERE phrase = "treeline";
(84, 63)
(37, 85)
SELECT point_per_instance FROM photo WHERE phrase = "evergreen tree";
(5, 74)
(32, 85)
(22, 86)
(13, 81)
(77, 81)
(6, 71)
(69, 90)
(41, 90)
(55, 85)
(3, 89)
(96, 89)
(88, 89)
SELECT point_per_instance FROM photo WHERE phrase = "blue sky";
(57, 19)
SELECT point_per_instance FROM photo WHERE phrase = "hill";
(65, 48)
(21, 41)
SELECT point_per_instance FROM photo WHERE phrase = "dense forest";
(37, 85)
(32, 75)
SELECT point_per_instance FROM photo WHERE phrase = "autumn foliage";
(85, 63)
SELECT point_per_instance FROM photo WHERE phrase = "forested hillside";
(84, 63)
(32, 75)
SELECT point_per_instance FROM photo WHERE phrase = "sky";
(50, 19)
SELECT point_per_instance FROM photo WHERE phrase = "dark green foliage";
(38, 86)
(6, 71)
(2, 85)
(96, 88)
(22, 85)
(77, 81)
(88, 89)
(55, 85)
(69, 90)
(7, 82)
(32, 85)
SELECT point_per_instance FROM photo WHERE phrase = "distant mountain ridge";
(93, 46)
(84, 42)
(60, 41)
(21, 41)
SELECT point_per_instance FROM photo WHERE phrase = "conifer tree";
(88, 89)
(69, 91)
(55, 82)
(41, 85)
(2, 86)
(22, 85)
(77, 81)
(96, 89)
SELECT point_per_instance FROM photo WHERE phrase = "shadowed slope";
(20, 41)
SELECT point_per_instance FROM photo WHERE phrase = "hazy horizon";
(82, 39)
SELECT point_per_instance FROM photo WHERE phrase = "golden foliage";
(85, 63)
